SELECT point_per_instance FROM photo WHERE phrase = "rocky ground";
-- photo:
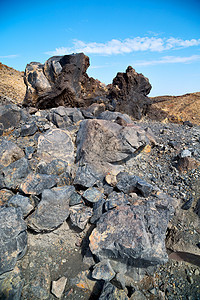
(134, 235)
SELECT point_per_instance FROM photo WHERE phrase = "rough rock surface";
(52, 210)
(130, 91)
(56, 144)
(62, 80)
(13, 238)
(9, 152)
(104, 145)
(167, 217)
(133, 234)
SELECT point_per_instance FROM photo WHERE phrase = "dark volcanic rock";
(130, 90)
(92, 195)
(52, 210)
(87, 176)
(28, 129)
(115, 199)
(62, 80)
(9, 152)
(15, 173)
(131, 183)
(133, 234)
(34, 184)
(13, 238)
(23, 202)
(10, 116)
(63, 117)
(80, 215)
(105, 145)
(56, 144)
(103, 270)
(11, 285)
(110, 292)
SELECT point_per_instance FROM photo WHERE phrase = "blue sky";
(160, 39)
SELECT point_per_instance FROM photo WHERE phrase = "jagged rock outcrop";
(129, 92)
(62, 80)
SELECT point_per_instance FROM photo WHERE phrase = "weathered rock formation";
(63, 80)
(129, 92)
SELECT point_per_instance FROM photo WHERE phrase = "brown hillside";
(176, 108)
(12, 83)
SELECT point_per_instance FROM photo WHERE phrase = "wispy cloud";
(169, 60)
(128, 45)
(9, 56)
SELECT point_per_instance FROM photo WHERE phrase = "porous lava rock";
(129, 91)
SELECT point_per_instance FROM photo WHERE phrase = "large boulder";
(62, 80)
(105, 146)
(130, 90)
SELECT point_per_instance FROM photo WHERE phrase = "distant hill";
(176, 108)
(12, 83)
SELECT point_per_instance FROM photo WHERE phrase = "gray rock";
(13, 238)
(92, 195)
(34, 183)
(105, 145)
(58, 286)
(127, 183)
(23, 202)
(11, 285)
(10, 116)
(110, 292)
(87, 176)
(55, 167)
(56, 144)
(63, 117)
(75, 199)
(93, 110)
(116, 199)
(137, 295)
(29, 152)
(9, 152)
(134, 234)
(98, 209)
(15, 173)
(80, 215)
(131, 183)
(28, 129)
(52, 210)
(112, 116)
(144, 187)
(103, 270)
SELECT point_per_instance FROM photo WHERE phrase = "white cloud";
(9, 56)
(128, 45)
(169, 60)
